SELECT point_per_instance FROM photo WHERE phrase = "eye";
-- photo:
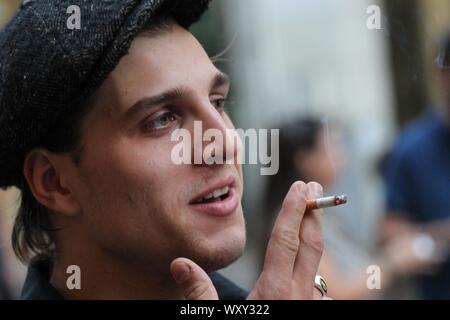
(219, 103)
(161, 122)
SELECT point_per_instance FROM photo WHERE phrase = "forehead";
(154, 64)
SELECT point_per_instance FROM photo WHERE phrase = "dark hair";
(33, 233)
(299, 135)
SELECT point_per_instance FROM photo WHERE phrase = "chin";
(217, 255)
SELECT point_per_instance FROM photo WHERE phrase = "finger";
(194, 281)
(311, 247)
(317, 295)
(284, 243)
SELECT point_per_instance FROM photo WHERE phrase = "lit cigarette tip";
(341, 200)
(326, 202)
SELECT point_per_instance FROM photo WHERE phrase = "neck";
(105, 277)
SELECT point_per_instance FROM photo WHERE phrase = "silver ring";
(321, 285)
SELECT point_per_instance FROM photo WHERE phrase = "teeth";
(217, 193)
(208, 196)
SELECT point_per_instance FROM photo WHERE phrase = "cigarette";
(326, 202)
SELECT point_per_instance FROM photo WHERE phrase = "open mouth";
(221, 199)
(215, 196)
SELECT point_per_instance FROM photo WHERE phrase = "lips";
(220, 199)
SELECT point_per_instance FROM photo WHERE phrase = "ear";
(47, 180)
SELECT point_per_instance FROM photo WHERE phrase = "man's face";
(136, 203)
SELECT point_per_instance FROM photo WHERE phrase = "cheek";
(134, 188)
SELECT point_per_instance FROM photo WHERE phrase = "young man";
(86, 116)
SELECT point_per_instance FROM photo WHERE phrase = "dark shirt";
(38, 287)
(418, 185)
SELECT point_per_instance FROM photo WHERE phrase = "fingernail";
(183, 273)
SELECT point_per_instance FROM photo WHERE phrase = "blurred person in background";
(417, 178)
(311, 150)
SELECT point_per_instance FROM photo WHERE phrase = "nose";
(216, 141)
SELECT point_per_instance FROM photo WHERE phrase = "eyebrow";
(220, 79)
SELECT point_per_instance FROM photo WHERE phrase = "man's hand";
(292, 256)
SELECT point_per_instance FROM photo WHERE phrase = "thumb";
(193, 280)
